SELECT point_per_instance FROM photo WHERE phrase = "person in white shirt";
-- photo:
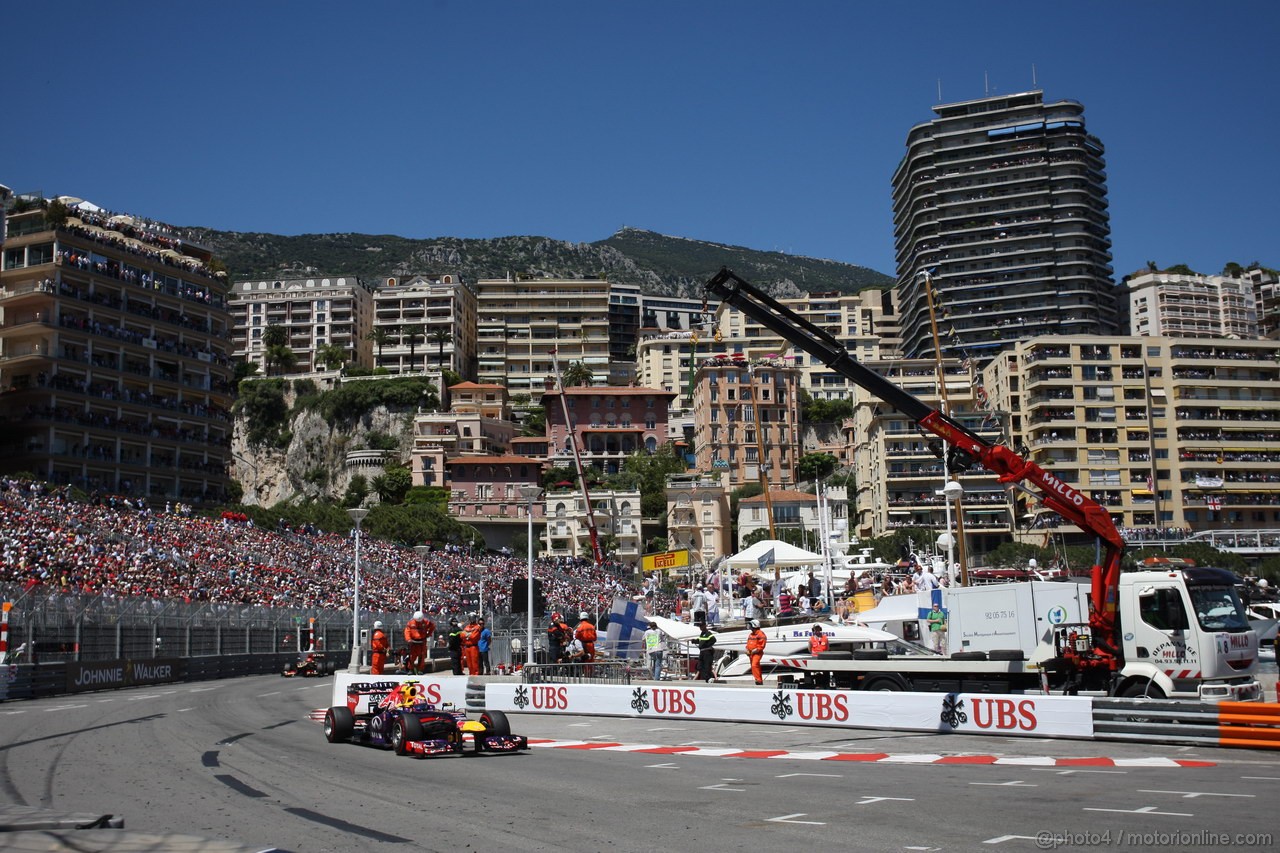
(927, 580)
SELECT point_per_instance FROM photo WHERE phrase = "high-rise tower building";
(1004, 201)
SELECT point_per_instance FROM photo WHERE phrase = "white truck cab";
(1185, 634)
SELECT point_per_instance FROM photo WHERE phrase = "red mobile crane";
(1093, 652)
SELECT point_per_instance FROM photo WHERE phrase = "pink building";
(609, 424)
(490, 486)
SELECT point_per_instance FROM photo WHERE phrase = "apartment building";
(1165, 304)
(608, 424)
(522, 319)
(899, 469)
(1164, 432)
(478, 423)
(314, 311)
(113, 353)
(1004, 200)
(485, 493)
(424, 324)
(624, 329)
(746, 412)
(617, 519)
(698, 517)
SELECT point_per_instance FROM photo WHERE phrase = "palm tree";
(380, 337)
(413, 331)
(441, 336)
(577, 373)
(275, 338)
(332, 356)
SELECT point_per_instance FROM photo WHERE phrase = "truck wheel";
(968, 655)
(1006, 654)
(1140, 689)
(405, 728)
(884, 684)
(339, 723)
(496, 722)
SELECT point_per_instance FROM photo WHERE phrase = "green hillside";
(659, 264)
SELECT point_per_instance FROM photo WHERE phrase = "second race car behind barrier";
(397, 716)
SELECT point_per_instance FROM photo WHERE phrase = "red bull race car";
(403, 717)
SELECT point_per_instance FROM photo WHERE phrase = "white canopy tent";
(785, 556)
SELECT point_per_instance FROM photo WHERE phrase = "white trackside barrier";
(1033, 715)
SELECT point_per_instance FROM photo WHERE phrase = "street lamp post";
(422, 552)
(357, 515)
(951, 492)
(530, 494)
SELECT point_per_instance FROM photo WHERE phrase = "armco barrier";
(1156, 720)
(34, 681)
(1251, 724)
(963, 713)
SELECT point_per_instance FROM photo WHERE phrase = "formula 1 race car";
(309, 665)
(399, 716)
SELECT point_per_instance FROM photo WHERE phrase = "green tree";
(243, 370)
(648, 473)
(266, 414)
(392, 484)
(535, 422)
(332, 356)
(441, 335)
(577, 373)
(380, 338)
(357, 491)
(56, 214)
(275, 340)
(413, 332)
(816, 466)
(790, 535)
(281, 358)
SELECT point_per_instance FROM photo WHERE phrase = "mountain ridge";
(660, 264)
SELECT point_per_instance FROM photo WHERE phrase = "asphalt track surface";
(240, 761)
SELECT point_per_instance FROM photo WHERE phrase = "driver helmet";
(418, 614)
(377, 624)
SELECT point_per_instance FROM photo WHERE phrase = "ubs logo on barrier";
(953, 711)
(521, 699)
(639, 700)
(781, 707)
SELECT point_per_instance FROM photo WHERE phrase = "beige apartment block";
(315, 311)
(747, 412)
(522, 319)
(899, 471)
(1180, 433)
(428, 324)
(1164, 304)
(113, 354)
(617, 519)
(698, 517)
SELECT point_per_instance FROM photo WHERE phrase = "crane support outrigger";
(1098, 653)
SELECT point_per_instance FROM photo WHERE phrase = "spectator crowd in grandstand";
(114, 547)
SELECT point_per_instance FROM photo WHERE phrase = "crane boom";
(966, 448)
(597, 556)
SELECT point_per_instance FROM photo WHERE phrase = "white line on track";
(67, 707)
(1191, 795)
(184, 710)
(201, 689)
(272, 693)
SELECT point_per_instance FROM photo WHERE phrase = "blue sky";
(770, 125)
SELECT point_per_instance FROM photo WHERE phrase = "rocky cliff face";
(314, 465)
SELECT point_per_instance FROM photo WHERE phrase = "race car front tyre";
(496, 722)
(339, 723)
(405, 728)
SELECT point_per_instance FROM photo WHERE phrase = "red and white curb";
(874, 757)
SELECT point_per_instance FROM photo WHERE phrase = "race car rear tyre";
(496, 722)
(405, 728)
(339, 723)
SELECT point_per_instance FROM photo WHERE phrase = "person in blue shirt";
(486, 639)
